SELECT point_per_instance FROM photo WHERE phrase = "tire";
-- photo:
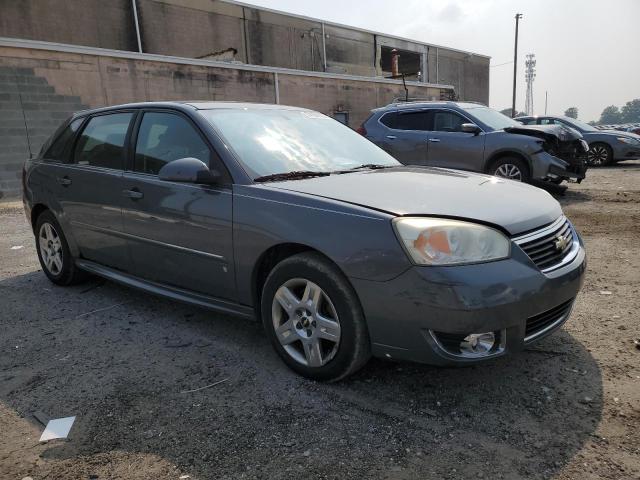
(557, 181)
(511, 168)
(53, 252)
(323, 334)
(599, 155)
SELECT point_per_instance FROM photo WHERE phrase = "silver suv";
(469, 136)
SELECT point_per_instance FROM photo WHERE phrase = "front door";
(90, 186)
(179, 234)
(450, 147)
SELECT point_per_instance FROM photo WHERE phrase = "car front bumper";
(408, 315)
(545, 166)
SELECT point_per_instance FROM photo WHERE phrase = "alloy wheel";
(306, 322)
(598, 155)
(50, 248)
(510, 171)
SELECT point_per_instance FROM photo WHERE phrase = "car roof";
(191, 105)
(410, 105)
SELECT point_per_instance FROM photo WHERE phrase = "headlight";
(585, 145)
(439, 241)
(629, 141)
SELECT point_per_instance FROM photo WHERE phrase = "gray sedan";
(605, 146)
(286, 215)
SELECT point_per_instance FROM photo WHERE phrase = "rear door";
(449, 146)
(90, 185)
(180, 234)
(405, 136)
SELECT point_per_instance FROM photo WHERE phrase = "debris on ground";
(57, 428)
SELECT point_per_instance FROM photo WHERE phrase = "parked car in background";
(469, 136)
(288, 215)
(605, 147)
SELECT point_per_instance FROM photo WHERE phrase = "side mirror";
(470, 128)
(188, 170)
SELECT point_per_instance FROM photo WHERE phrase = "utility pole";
(515, 67)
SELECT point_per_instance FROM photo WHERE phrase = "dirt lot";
(121, 360)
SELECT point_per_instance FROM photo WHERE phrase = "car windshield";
(582, 126)
(276, 141)
(492, 118)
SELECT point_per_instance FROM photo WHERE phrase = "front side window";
(278, 140)
(165, 137)
(444, 121)
(60, 147)
(101, 143)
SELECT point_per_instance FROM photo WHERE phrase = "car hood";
(513, 206)
(547, 132)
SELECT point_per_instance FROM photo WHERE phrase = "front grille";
(538, 323)
(547, 248)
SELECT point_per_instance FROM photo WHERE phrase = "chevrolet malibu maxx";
(286, 215)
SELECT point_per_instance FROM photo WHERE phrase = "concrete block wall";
(205, 28)
(40, 88)
(30, 111)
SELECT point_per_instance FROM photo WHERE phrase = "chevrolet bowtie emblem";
(561, 243)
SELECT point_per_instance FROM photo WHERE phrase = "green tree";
(571, 112)
(610, 115)
(631, 111)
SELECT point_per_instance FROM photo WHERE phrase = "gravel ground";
(121, 361)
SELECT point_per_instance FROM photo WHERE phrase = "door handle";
(391, 137)
(133, 194)
(64, 181)
(434, 140)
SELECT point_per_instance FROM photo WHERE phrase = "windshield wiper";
(367, 166)
(274, 177)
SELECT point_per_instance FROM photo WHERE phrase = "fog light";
(478, 343)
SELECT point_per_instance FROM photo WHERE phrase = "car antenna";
(26, 128)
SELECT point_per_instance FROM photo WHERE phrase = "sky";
(587, 51)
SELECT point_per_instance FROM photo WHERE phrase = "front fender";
(360, 241)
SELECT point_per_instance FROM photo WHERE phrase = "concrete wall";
(205, 28)
(94, 23)
(39, 88)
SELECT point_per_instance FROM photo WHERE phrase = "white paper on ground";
(57, 428)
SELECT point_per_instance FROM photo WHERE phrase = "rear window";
(59, 149)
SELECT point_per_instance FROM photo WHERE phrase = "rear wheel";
(53, 251)
(314, 319)
(511, 168)
(599, 155)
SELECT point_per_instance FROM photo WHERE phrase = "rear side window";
(389, 119)
(406, 120)
(165, 137)
(59, 149)
(101, 143)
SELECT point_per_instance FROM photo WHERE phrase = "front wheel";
(599, 155)
(511, 168)
(314, 319)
